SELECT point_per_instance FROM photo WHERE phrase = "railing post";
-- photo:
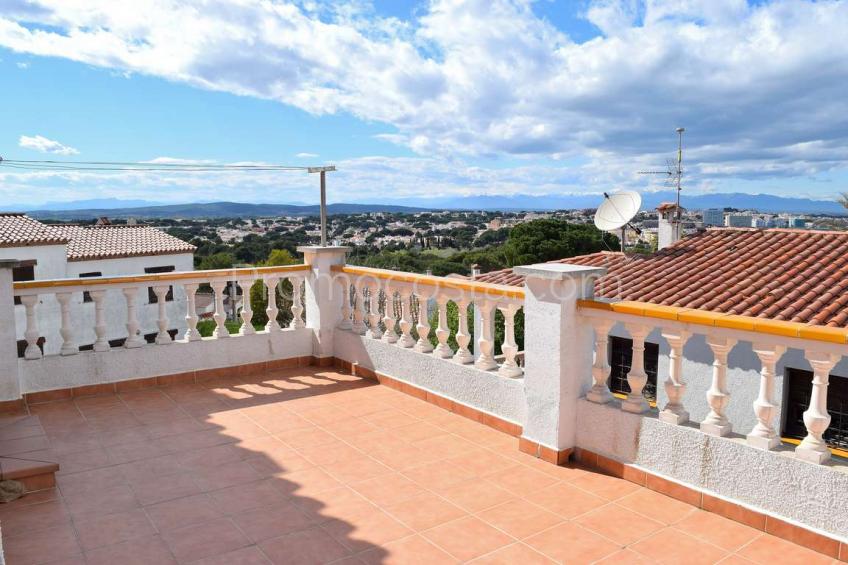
(101, 344)
(486, 344)
(764, 436)
(133, 338)
(191, 313)
(163, 337)
(423, 344)
(10, 386)
(674, 411)
(816, 418)
(323, 304)
(374, 311)
(297, 304)
(389, 320)
(359, 310)
(66, 330)
(271, 310)
(716, 422)
(463, 355)
(31, 334)
(246, 313)
(443, 350)
(557, 355)
(637, 378)
(406, 339)
(509, 368)
(347, 312)
(600, 392)
(220, 316)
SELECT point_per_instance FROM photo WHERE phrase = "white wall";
(51, 260)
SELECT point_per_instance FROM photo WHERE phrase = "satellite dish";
(616, 211)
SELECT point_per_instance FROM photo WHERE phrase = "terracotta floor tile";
(476, 495)
(104, 501)
(566, 500)
(519, 518)
(445, 446)
(467, 538)
(658, 506)
(98, 531)
(202, 540)
(673, 546)
(94, 479)
(387, 489)
(438, 475)
(482, 462)
(156, 467)
(357, 469)
(16, 520)
(424, 511)
(154, 489)
(717, 530)
(610, 488)
(270, 522)
(182, 512)
(367, 530)
(769, 550)
(521, 480)
(226, 475)
(626, 557)
(571, 543)
(412, 550)
(329, 453)
(512, 554)
(210, 457)
(245, 556)
(305, 483)
(41, 546)
(248, 496)
(141, 551)
(417, 431)
(619, 524)
(306, 547)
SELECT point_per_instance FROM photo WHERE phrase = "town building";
(713, 217)
(738, 220)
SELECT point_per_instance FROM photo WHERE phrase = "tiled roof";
(17, 230)
(780, 274)
(112, 242)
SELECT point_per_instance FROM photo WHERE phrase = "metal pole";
(679, 168)
(323, 209)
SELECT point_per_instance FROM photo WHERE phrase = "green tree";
(550, 239)
(259, 293)
(216, 261)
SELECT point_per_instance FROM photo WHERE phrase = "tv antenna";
(616, 212)
(674, 171)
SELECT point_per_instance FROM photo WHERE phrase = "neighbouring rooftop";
(311, 465)
(780, 274)
(85, 243)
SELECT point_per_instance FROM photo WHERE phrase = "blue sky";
(413, 99)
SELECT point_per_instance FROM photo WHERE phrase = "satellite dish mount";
(616, 212)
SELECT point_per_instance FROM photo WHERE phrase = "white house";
(55, 252)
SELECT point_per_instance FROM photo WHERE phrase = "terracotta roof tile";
(111, 242)
(781, 274)
(18, 230)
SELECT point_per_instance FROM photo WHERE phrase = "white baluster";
(600, 392)
(637, 378)
(297, 303)
(406, 339)
(509, 368)
(191, 313)
(133, 338)
(486, 344)
(163, 337)
(344, 323)
(423, 344)
(716, 422)
(101, 344)
(220, 315)
(246, 313)
(764, 436)
(31, 334)
(66, 330)
(374, 312)
(443, 350)
(271, 310)
(390, 335)
(674, 412)
(463, 337)
(359, 311)
(816, 418)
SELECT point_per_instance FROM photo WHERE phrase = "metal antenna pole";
(679, 168)
(323, 172)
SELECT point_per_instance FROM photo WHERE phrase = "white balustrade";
(220, 315)
(443, 350)
(463, 355)
(191, 313)
(246, 313)
(344, 323)
(637, 378)
(297, 303)
(816, 418)
(486, 344)
(359, 310)
(31, 334)
(406, 339)
(272, 325)
(509, 368)
(674, 411)
(716, 422)
(66, 330)
(600, 392)
(163, 337)
(374, 312)
(134, 339)
(764, 436)
(389, 320)
(423, 344)
(101, 344)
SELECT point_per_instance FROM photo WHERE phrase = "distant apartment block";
(738, 220)
(713, 217)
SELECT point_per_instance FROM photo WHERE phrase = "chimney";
(475, 271)
(669, 226)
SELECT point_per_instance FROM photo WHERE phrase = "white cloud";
(488, 78)
(44, 145)
(306, 155)
(22, 66)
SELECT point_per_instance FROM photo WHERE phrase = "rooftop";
(17, 230)
(780, 274)
(314, 466)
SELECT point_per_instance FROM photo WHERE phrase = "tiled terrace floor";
(313, 466)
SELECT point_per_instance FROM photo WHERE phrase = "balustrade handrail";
(432, 280)
(721, 320)
(204, 276)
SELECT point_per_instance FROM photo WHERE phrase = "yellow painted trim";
(834, 450)
(430, 280)
(720, 320)
(231, 274)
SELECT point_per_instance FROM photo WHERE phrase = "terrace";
(348, 436)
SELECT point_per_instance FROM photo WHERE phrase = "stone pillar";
(557, 354)
(10, 386)
(323, 296)
(816, 418)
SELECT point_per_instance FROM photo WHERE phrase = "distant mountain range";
(114, 208)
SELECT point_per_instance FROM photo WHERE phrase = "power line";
(48, 165)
